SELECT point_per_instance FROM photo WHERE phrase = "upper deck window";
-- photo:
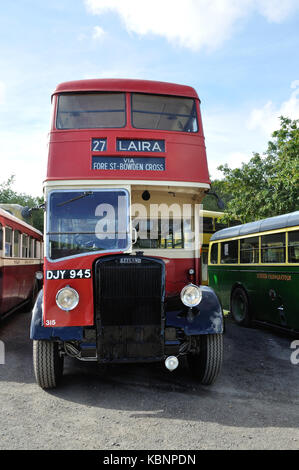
(91, 110)
(167, 113)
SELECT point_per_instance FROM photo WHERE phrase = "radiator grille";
(130, 294)
(129, 309)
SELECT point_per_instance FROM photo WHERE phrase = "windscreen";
(168, 113)
(91, 110)
(87, 221)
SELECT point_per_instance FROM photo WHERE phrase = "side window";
(25, 246)
(249, 250)
(31, 241)
(171, 234)
(208, 225)
(8, 241)
(37, 249)
(1, 238)
(214, 254)
(229, 252)
(273, 248)
(17, 243)
(163, 234)
(293, 247)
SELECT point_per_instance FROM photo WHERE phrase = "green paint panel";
(273, 291)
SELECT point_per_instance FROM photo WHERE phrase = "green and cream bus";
(254, 269)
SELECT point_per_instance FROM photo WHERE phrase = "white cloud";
(266, 118)
(276, 10)
(98, 32)
(193, 23)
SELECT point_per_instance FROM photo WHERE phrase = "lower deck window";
(8, 241)
(25, 246)
(164, 234)
(17, 244)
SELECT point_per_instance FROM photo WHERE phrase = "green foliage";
(267, 185)
(9, 196)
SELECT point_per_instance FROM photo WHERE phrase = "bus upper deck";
(127, 130)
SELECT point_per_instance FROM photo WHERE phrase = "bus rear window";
(167, 113)
(91, 110)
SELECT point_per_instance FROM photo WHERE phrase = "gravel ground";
(253, 405)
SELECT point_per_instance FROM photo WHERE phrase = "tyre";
(206, 365)
(240, 307)
(47, 363)
(33, 295)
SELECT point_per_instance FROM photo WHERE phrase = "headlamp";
(191, 295)
(67, 298)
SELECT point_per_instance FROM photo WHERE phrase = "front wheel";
(206, 365)
(47, 363)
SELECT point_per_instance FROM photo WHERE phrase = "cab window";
(214, 254)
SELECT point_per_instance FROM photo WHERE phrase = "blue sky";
(240, 55)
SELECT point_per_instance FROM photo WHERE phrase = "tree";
(267, 185)
(9, 196)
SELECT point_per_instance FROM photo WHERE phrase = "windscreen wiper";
(86, 193)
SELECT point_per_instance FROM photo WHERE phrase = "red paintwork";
(70, 152)
(83, 315)
(126, 85)
(17, 281)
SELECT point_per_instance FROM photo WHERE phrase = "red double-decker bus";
(127, 171)
(20, 260)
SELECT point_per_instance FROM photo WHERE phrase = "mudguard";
(206, 318)
(39, 331)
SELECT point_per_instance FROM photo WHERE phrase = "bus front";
(126, 174)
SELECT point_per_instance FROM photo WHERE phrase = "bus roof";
(208, 213)
(126, 85)
(264, 225)
(7, 215)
